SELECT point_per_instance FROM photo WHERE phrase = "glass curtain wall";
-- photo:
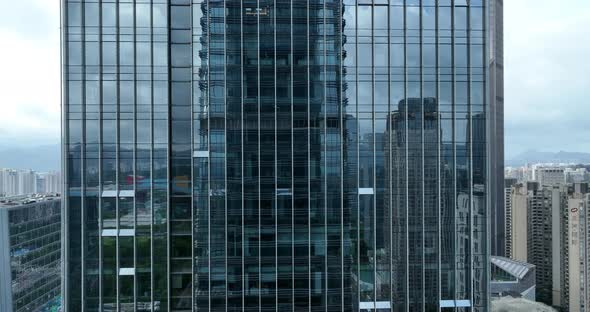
(116, 154)
(269, 155)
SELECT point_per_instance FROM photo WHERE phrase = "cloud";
(30, 76)
(546, 75)
(546, 71)
(32, 19)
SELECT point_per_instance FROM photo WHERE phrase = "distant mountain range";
(533, 156)
(39, 158)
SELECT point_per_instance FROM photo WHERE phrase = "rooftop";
(513, 267)
(15, 201)
(509, 304)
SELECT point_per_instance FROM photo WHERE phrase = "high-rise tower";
(496, 122)
(274, 155)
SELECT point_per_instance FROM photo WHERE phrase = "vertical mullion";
(357, 160)
(243, 125)
(151, 161)
(242, 147)
(208, 8)
(276, 202)
(438, 169)
(389, 160)
(65, 133)
(423, 156)
(406, 189)
(225, 147)
(454, 147)
(117, 147)
(100, 158)
(308, 61)
(192, 162)
(259, 156)
(168, 154)
(134, 167)
(374, 196)
(100, 153)
(83, 155)
(325, 104)
(292, 172)
(341, 164)
(487, 41)
(470, 155)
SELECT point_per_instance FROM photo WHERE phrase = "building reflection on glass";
(30, 262)
(274, 155)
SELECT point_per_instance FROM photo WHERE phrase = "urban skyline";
(266, 155)
(547, 228)
(16, 182)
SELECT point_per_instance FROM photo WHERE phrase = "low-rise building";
(30, 253)
(512, 278)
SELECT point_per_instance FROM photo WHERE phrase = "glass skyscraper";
(498, 234)
(276, 155)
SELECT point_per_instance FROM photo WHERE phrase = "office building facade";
(273, 155)
(496, 94)
(30, 253)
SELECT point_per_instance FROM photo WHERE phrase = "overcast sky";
(29, 72)
(547, 82)
(546, 66)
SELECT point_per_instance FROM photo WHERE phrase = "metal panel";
(126, 193)
(126, 271)
(201, 154)
(109, 193)
(109, 233)
(366, 191)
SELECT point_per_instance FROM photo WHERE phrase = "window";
(180, 17)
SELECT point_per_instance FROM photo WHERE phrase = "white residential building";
(550, 176)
